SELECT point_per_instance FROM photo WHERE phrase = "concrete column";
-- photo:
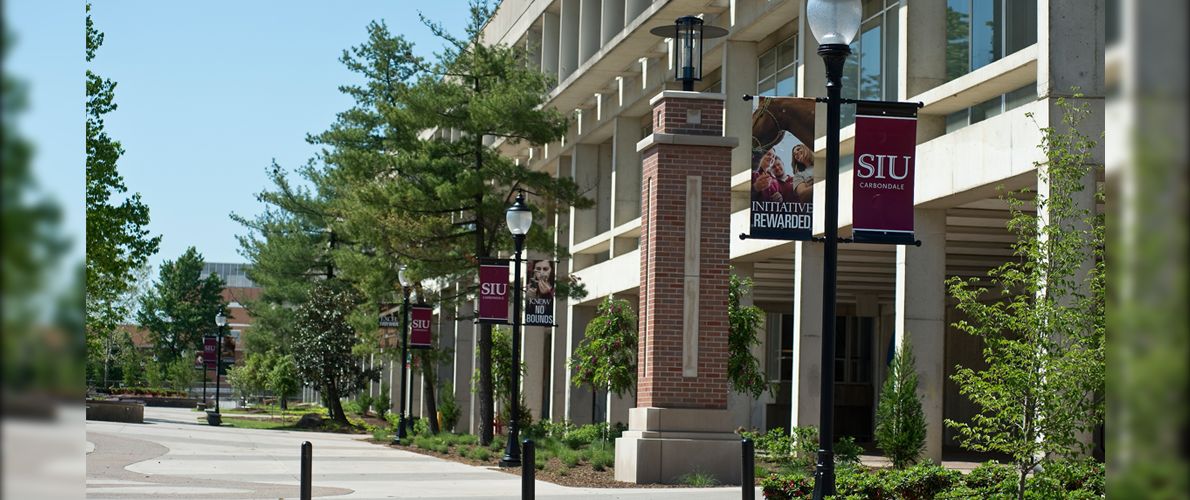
(921, 60)
(633, 9)
(588, 31)
(533, 359)
(806, 400)
(578, 399)
(549, 43)
(464, 366)
(611, 20)
(568, 39)
(921, 315)
(560, 354)
(625, 169)
(604, 203)
(739, 78)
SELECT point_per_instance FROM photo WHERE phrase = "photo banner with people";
(493, 291)
(782, 203)
(420, 317)
(539, 292)
(882, 187)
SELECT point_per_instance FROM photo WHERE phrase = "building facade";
(988, 72)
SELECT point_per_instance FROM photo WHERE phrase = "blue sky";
(209, 93)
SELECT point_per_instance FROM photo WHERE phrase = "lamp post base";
(214, 418)
(508, 461)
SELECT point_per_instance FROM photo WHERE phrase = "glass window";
(991, 107)
(979, 32)
(871, 71)
(777, 70)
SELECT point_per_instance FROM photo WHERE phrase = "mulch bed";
(582, 475)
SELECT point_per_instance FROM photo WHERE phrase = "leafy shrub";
(922, 481)
(698, 479)
(787, 487)
(847, 452)
(380, 434)
(585, 435)
(603, 459)
(482, 454)
(1067, 478)
(364, 402)
(421, 427)
(990, 480)
(498, 443)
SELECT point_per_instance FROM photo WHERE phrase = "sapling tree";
(606, 358)
(900, 422)
(1043, 327)
(743, 369)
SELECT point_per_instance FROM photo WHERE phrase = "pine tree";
(900, 423)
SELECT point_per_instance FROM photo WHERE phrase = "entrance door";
(854, 339)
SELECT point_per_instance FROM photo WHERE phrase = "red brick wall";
(665, 169)
(670, 115)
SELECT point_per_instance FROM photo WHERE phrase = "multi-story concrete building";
(988, 72)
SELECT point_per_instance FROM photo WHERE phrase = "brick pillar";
(681, 423)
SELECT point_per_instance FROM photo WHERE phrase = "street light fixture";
(519, 218)
(835, 24)
(688, 33)
(406, 286)
(215, 418)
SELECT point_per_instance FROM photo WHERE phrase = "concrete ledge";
(682, 94)
(679, 420)
(116, 411)
(686, 140)
(645, 460)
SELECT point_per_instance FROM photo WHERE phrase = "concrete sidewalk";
(172, 455)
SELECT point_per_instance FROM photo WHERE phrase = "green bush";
(900, 423)
(482, 454)
(383, 402)
(787, 487)
(847, 452)
(698, 479)
(448, 407)
(421, 427)
(364, 401)
(1067, 479)
(570, 457)
(380, 434)
(603, 459)
(922, 481)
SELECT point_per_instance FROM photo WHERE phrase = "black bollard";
(307, 470)
(748, 481)
(528, 470)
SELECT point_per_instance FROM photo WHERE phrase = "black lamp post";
(835, 24)
(402, 426)
(519, 219)
(688, 33)
(214, 418)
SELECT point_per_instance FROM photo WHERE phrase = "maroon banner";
(210, 354)
(420, 317)
(493, 291)
(882, 193)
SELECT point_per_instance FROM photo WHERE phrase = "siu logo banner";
(493, 291)
(419, 326)
(782, 202)
(539, 293)
(209, 355)
(882, 192)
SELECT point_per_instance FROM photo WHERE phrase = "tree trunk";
(284, 403)
(335, 406)
(486, 412)
(1020, 486)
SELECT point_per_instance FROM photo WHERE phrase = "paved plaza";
(171, 455)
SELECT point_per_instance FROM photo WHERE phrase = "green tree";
(900, 422)
(606, 357)
(181, 306)
(283, 380)
(324, 344)
(251, 379)
(1044, 335)
(117, 240)
(180, 373)
(743, 369)
(430, 202)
